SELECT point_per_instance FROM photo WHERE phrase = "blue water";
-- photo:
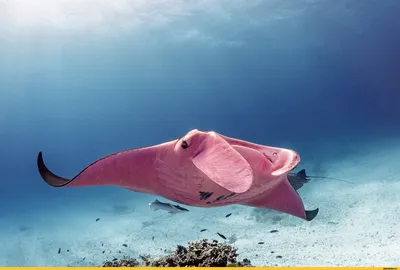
(81, 80)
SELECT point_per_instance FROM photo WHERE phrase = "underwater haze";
(82, 79)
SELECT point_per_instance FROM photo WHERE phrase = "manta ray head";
(193, 143)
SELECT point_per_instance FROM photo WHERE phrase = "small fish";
(170, 208)
(261, 243)
(333, 222)
(97, 219)
(221, 235)
(125, 245)
(152, 238)
(228, 215)
(203, 230)
(297, 180)
(273, 231)
(59, 250)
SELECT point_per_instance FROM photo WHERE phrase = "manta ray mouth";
(287, 161)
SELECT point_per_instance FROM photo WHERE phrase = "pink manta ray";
(203, 169)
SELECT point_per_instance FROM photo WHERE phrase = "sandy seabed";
(358, 224)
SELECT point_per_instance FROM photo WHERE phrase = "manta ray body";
(202, 169)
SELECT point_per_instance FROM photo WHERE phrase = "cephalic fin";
(224, 165)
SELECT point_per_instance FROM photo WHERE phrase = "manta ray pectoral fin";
(283, 198)
(311, 214)
(48, 176)
(131, 169)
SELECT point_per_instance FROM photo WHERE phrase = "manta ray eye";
(184, 144)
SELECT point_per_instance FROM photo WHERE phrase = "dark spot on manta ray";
(203, 230)
(152, 238)
(221, 235)
(97, 219)
(125, 245)
(223, 197)
(208, 202)
(59, 250)
(205, 195)
(273, 231)
(279, 257)
(67, 250)
(103, 251)
(230, 195)
(219, 198)
(261, 243)
(228, 215)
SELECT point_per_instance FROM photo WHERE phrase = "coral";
(202, 253)
(125, 262)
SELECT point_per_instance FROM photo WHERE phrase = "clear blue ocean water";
(82, 79)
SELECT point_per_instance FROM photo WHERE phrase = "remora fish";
(170, 208)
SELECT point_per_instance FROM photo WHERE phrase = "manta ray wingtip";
(49, 177)
(311, 214)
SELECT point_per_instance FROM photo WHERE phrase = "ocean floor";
(358, 224)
